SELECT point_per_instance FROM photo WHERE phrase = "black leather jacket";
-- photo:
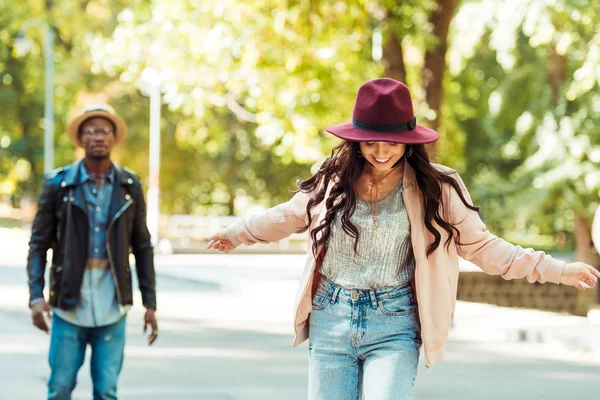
(61, 223)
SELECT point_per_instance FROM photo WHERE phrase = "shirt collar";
(85, 176)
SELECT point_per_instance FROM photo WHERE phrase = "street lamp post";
(154, 164)
(48, 86)
(150, 82)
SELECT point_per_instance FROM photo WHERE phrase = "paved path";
(217, 341)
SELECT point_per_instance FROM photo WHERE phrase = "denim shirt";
(98, 304)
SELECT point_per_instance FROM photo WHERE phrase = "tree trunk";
(435, 62)
(393, 57)
(584, 248)
(29, 151)
(231, 178)
(231, 201)
(558, 70)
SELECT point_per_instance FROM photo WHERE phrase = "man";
(90, 213)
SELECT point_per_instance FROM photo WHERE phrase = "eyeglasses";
(91, 132)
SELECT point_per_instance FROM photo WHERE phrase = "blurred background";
(227, 101)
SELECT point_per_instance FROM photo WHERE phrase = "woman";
(386, 230)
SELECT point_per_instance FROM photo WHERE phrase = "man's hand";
(579, 275)
(37, 315)
(150, 320)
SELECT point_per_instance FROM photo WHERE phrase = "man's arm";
(144, 265)
(42, 237)
(143, 253)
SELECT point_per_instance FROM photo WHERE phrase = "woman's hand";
(579, 275)
(219, 241)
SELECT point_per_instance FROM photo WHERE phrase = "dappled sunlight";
(13, 344)
(240, 95)
(199, 352)
(232, 310)
(521, 353)
(526, 334)
(566, 376)
(14, 297)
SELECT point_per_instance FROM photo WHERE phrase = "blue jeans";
(67, 353)
(364, 344)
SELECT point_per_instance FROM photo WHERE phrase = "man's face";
(97, 137)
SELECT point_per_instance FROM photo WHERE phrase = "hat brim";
(120, 125)
(419, 135)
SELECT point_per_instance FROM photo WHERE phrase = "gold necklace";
(374, 185)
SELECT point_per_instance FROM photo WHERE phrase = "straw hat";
(93, 110)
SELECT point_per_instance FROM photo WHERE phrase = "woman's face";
(383, 155)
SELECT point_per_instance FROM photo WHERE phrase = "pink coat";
(436, 276)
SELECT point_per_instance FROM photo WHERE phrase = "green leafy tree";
(255, 85)
(526, 107)
(22, 81)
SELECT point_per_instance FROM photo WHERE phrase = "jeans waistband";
(336, 292)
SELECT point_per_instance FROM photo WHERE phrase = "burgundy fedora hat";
(383, 112)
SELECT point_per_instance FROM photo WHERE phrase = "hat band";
(406, 126)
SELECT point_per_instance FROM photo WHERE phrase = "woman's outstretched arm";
(496, 256)
(272, 225)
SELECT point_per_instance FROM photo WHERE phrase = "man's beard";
(97, 157)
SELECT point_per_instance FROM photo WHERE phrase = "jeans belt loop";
(373, 298)
(335, 294)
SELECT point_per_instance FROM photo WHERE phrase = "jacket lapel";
(416, 215)
(411, 196)
(72, 184)
(120, 193)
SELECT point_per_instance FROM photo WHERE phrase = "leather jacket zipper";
(109, 252)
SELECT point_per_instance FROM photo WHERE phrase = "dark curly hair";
(347, 166)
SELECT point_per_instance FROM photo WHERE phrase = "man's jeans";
(67, 352)
(364, 344)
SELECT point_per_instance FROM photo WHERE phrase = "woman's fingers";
(595, 272)
(590, 279)
(580, 275)
(219, 244)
